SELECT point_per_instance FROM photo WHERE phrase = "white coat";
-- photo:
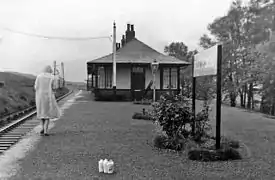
(46, 104)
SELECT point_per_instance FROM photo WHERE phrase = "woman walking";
(46, 104)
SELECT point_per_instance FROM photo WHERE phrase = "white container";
(100, 166)
(105, 167)
(110, 167)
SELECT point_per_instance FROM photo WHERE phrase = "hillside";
(17, 91)
(23, 74)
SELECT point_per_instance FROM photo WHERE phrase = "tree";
(206, 42)
(241, 31)
(178, 50)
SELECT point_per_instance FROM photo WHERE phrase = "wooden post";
(219, 98)
(96, 78)
(114, 60)
(63, 74)
(54, 69)
(178, 79)
(154, 90)
(193, 97)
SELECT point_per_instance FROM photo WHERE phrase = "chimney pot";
(128, 27)
(123, 41)
(132, 27)
(117, 46)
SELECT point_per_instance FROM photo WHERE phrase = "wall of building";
(123, 77)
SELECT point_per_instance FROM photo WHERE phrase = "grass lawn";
(92, 130)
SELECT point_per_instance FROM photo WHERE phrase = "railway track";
(13, 132)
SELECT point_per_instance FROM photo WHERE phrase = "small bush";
(203, 126)
(202, 155)
(223, 154)
(228, 153)
(160, 141)
(176, 144)
(141, 116)
(163, 142)
(190, 144)
(172, 113)
(228, 142)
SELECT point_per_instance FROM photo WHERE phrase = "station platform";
(90, 130)
(87, 132)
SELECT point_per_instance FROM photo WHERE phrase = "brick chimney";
(117, 46)
(123, 41)
(133, 32)
(128, 33)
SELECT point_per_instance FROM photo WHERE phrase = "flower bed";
(174, 119)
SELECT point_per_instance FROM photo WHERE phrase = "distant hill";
(17, 92)
(23, 74)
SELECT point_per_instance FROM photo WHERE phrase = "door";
(137, 81)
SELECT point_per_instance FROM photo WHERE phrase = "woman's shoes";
(42, 132)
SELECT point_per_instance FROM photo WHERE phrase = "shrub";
(222, 154)
(203, 126)
(172, 114)
(160, 141)
(175, 117)
(190, 144)
(141, 116)
(228, 153)
(228, 142)
(163, 142)
(175, 143)
(202, 155)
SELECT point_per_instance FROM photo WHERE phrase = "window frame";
(106, 82)
(175, 81)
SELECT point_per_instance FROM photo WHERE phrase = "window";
(170, 78)
(104, 77)
(166, 78)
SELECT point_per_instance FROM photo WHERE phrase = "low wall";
(127, 94)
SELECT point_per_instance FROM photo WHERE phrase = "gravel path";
(93, 130)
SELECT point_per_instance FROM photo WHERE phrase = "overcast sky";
(157, 23)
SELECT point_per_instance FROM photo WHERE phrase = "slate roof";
(136, 51)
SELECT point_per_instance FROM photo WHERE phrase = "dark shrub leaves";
(223, 154)
(160, 141)
(141, 116)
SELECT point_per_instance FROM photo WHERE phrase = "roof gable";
(136, 51)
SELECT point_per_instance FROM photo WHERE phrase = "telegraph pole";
(54, 70)
(63, 74)
(114, 60)
(219, 97)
